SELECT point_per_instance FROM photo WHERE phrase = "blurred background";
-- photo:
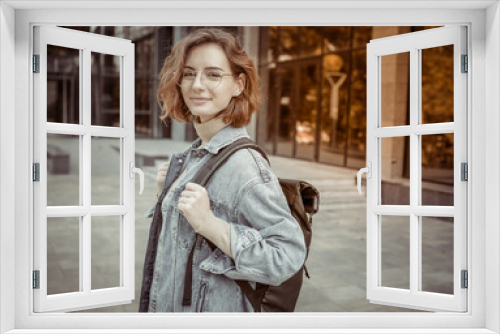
(312, 121)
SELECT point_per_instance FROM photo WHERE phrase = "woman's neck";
(208, 129)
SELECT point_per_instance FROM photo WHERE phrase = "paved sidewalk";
(337, 259)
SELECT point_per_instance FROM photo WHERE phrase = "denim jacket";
(267, 244)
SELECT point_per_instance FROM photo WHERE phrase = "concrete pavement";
(337, 259)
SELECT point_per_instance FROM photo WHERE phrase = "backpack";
(303, 200)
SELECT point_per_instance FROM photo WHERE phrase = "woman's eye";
(189, 74)
(214, 75)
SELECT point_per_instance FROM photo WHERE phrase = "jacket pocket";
(201, 304)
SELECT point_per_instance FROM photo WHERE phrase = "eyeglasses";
(210, 78)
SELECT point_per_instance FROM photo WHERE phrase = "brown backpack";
(303, 200)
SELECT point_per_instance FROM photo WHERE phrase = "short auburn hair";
(239, 110)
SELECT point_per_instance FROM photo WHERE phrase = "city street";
(337, 259)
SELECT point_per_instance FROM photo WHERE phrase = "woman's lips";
(200, 99)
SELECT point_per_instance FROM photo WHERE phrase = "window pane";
(437, 169)
(266, 120)
(356, 150)
(289, 42)
(105, 252)
(105, 171)
(361, 36)
(63, 85)
(336, 38)
(268, 45)
(63, 255)
(395, 80)
(310, 40)
(395, 248)
(105, 89)
(437, 84)
(305, 123)
(286, 103)
(395, 188)
(437, 254)
(334, 108)
(143, 85)
(63, 170)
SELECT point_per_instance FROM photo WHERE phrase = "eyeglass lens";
(211, 79)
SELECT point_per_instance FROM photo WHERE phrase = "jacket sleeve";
(267, 244)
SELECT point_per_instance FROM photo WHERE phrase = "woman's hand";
(195, 205)
(160, 178)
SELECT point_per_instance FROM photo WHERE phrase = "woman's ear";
(240, 83)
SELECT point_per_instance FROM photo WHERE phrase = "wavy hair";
(240, 109)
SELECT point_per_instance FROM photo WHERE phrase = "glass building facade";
(313, 84)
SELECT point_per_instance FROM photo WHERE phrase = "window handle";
(133, 170)
(368, 171)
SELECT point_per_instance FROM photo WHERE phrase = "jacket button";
(250, 236)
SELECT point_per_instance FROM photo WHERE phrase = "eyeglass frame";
(222, 74)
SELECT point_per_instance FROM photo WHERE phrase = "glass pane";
(356, 144)
(437, 169)
(63, 85)
(105, 90)
(395, 187)
(266, 121)
(289, 43)
(286, 102)
(63, 170)
(334, 108)
(310, 40)
(437, 254)
(336, 38)
(105, 171)
(143, 86)
(361, 36)
(268, 44)
(63, 255)
(105, 252)
(395, 248)
(437, 84)
(305, 123)
(395, 83)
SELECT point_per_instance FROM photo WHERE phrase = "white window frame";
(85, 297)
(16, 125)
(413, 213)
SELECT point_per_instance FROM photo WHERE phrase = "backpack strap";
(202, 178)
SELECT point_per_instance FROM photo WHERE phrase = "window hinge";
(465, 63)
(465, 279)
(36, 63)
(36, 172)
(465, 172)
(36, 279)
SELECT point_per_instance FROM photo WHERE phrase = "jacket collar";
(222, 139)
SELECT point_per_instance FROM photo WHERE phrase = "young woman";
(210, 80)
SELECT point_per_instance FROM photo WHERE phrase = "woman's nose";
(198, 84)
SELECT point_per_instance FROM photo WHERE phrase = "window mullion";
(86, 163)
(415, 245)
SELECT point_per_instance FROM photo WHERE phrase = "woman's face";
(198, 91)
